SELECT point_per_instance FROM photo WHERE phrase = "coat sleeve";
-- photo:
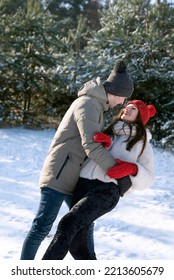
(145, 176)
(88, 117)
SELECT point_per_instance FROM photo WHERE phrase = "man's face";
(115, 100)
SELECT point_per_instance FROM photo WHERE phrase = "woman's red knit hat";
(146, 112)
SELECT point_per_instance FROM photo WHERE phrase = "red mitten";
(101, 137)
(123, 169)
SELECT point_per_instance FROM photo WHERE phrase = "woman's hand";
(122, 169)
(103, 138)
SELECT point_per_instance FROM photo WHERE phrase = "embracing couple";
(90, 169)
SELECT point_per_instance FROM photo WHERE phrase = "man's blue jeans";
(49, 207)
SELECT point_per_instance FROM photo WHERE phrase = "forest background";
(48, 49)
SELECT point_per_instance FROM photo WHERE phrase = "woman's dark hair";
(140, 133)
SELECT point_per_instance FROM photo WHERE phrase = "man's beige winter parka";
(73, 141)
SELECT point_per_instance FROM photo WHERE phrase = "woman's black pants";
(92, 199)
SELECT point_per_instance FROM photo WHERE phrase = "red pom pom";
(152, 110)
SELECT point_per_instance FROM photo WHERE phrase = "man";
(72, 144)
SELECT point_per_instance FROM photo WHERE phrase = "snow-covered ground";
(140, 227)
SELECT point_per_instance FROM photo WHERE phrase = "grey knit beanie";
(119, 82)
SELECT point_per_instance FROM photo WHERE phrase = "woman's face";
(130, 113)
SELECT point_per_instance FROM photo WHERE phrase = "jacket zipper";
(67, 158)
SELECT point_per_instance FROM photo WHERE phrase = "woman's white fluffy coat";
(145, 162)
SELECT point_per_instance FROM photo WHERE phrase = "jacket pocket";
(67, 158)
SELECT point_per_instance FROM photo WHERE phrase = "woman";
(97, 192)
